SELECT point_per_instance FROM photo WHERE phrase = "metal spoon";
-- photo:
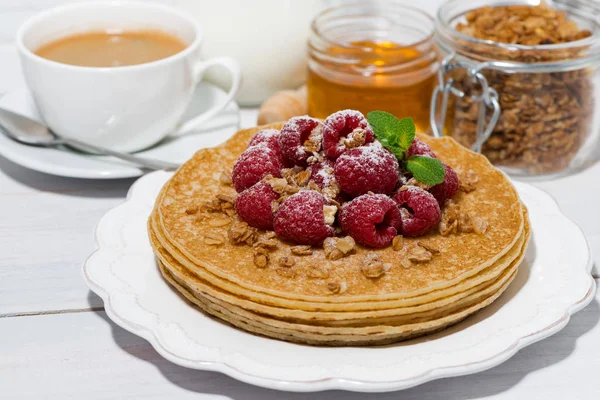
(27, 131)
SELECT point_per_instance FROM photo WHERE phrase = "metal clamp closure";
(487, 99)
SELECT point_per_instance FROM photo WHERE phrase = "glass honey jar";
(376, 55)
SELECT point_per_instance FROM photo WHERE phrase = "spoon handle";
(141, 161)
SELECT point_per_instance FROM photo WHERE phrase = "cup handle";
(236, 77)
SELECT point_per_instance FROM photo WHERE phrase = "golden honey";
(350, 67)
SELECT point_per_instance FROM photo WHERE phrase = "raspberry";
(344, 124)
(447, 189)
(254, 205)
(371, 219)
(301, 219)
(293, 136)
(255, 163)
(420, 148)
(419, 209)
(269, 138)
(365, 169)
(322, 173)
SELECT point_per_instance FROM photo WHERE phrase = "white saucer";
(69, 163)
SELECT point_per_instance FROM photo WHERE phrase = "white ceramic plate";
(66, 162)
(554, 281)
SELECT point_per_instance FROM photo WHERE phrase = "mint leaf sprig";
(397, 135)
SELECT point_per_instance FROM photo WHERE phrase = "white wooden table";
(57, 343)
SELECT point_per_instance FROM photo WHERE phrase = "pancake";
(466, 272)
(198, 270)
(379, 335)
(197, 181)
(294, 311)
(351, 319)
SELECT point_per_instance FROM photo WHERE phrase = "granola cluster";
(545, 117)
(454, 220)
(521, 24)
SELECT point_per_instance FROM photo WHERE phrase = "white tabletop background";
(57, 343)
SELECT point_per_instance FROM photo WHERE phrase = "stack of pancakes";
(467, 272)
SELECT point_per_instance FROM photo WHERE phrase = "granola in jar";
(531, 56)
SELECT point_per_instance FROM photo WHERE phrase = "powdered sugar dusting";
(293, 135)
(253, 205)
(267, 138)
(374, 155)
(265, 134)
(295, 123)
(326, 175)
(348, 113)
(301, 219)
(411, 189)
(322, 173)
(342, 124)
(367, 168)
(254, 164)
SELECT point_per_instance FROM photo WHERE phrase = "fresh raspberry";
(371, 219)
(255, 163)
(420, 148)
(322, 173)
(367, 169)
(253, 205)
(270, 138)
(267, 137)
(419, 209)
(301, 219)
(447, 189)
(293, 136)
(343, 124)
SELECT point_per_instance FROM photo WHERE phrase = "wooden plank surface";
(46, 232)
(85, 355)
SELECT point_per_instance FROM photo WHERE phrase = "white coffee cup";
(124, 108)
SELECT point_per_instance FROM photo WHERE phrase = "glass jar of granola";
(520, 83)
